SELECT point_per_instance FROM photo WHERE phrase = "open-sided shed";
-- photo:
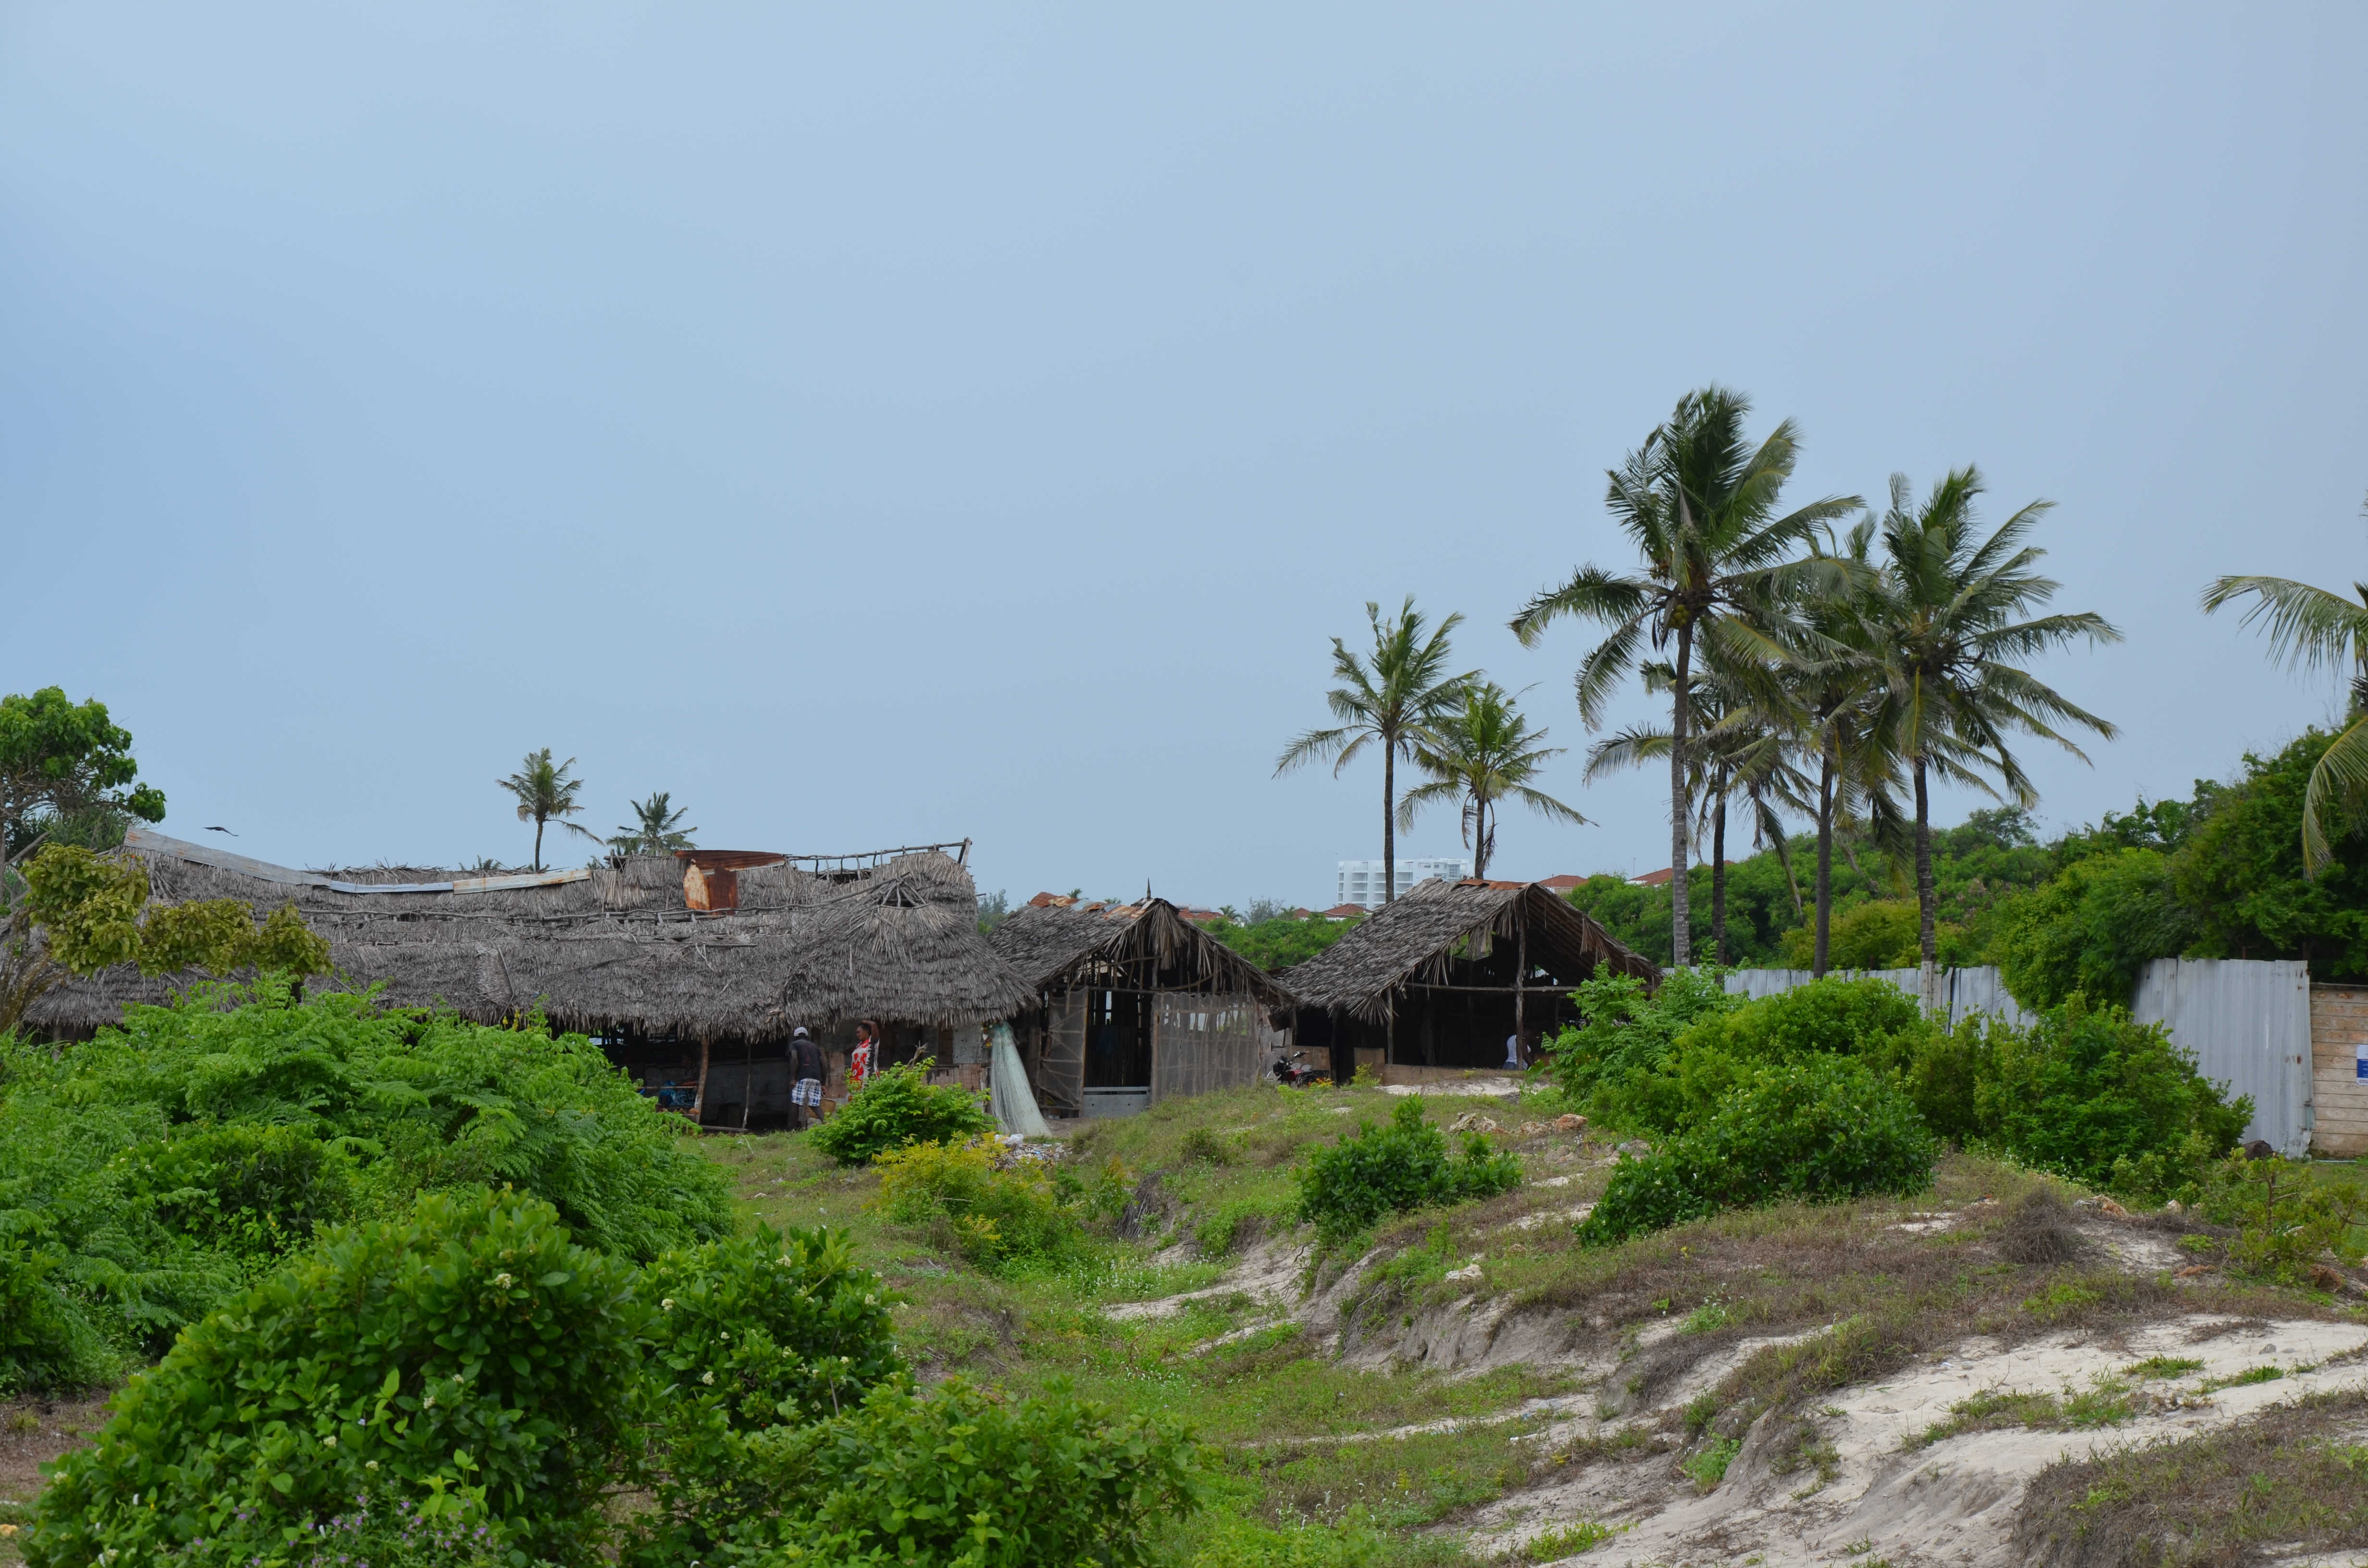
(1444, 975)
(1134, 1004)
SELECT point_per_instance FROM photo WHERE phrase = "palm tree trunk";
(1824, 860)
(538, 844)
(1479, 839)
(1389, 821)
(1718, 868)
(1928, 949)
(1680, 943)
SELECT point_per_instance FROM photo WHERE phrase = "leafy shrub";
(900, 1107)
(2092, 929)
(2284, 1221)
(469, 1359)
(768, 1328)
(1870, 1019)
(1625, 1026)
(957, 1475)
(383, 1532)
(1346, 1187)
(2090, 1093)
(256, 1191)
(164, 1165)
(45, 1340)
(999, 1213)
(1880, 934)
(1824, 1130)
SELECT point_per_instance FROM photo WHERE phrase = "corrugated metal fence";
(2247, 1021)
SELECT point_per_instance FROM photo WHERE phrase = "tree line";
(1829, 661)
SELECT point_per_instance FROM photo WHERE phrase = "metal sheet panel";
(2248, 1023)
(1969, 991)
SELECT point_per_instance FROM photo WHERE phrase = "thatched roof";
(1414, 938)
(1053, 945)
(616, 945)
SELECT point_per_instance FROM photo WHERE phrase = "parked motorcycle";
(1295, 1071)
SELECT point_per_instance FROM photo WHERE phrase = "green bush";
(957, 1475)
(470, 1360)
(1625, 1026)
(2092, 929)
(900, 1107)
(162, 1167)
(1884, 933)
(768, 1328)
(2090, 1093)
(1344, 1186)
(1870, 1019)
(1000, 1210)
(1822, 1130)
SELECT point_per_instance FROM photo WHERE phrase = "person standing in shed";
(860, 1063)
(807, 1071)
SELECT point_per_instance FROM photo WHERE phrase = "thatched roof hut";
(1441, 976)
(1133, 1004)
(615, 949)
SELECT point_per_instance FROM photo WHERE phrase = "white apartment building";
(1360, 880)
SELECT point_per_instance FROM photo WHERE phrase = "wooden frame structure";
(1134, 1005)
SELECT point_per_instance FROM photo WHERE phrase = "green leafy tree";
(2092, 929)
(1952, 613)
(656, 830)
(546, 794)
(66, 777)
(2313, 629)
(1279, 941)
(1700, 504)
(93, 911)
(1479, 753)
(2240, 872)
(1389, 701)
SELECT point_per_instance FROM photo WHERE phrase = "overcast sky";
(880, 424)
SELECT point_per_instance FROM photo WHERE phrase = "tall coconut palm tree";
(1742, 732)
(1388, 702)
(2311, 628)
(1834, 670)
(1699, 503)
(1479, 753)
(546, 794)
(657, 828)
(1950, 614)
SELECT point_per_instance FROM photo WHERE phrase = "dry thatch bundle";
(1054, 947)
(617, 947)
(1413, 940)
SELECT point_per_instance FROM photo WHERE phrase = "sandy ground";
(1883, 1492)
(32, 1433)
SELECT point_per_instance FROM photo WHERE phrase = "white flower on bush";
(503, 1280)
(707, 1376)
(427, 1403)
(667, 1305)
(370, 1464)
(330, 1441)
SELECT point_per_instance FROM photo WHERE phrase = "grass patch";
(2245, 1379)
(2163, 1367)
(2287, 1479)
(1567, 1541)
(1707, 1465)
